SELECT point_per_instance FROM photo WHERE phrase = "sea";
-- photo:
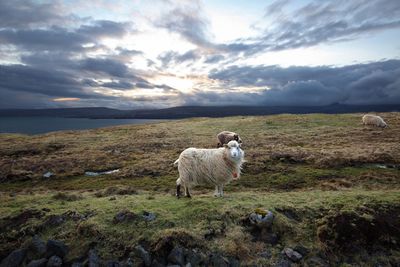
(40, 125)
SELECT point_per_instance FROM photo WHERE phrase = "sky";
(157, 54)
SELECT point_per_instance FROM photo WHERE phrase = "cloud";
(372, 83)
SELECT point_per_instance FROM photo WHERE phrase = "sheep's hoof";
(178, 196)
(188, 196)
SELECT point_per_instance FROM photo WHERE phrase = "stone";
(143, 254)
(302, 250)
(112, 263)
(55, 247)
(48, 175)
(176, 256)
(36, 248)
(124, 216)
(14, 259)
(93, 259)
(316, 262)
(54, 261)
(195, 258)
(77, 264)
(265, 254)
(218, 261)
(262, 218)
(38, 263)
(283, 263)
(148, 216)
(292, 254)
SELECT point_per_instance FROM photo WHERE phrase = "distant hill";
(191, 111)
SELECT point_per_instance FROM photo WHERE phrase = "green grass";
(316, 166)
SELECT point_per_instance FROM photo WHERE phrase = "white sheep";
(216, 166)
(374, 120)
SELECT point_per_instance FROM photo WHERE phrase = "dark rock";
(36, 248)
(57, 248)
(283, 263)
(112, 263)
(173, 265)
(93, 259)
(77, 264)
(233, 262)
(148, 216)
(125, 216)
(155, 263)
(54, 261)
(54, 220)
(292, 255)
(143, 254)
(14, 259)
(302, 250)
(218, 261)
(268, 237)
(195, 258)
(129, 263)
(265, 254)
(176, 256)
(38, 263)
(316, 262)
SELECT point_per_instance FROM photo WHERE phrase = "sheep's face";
(234, 152)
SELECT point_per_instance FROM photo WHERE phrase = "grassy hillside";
(332, 184)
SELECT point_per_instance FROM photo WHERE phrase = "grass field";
(332, 183)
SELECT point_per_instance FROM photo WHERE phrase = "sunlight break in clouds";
(137, 54)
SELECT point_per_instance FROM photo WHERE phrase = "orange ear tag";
(235, 175)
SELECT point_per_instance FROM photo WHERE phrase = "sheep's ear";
(236, 137)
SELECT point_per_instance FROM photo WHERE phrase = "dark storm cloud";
(51, 83)
(188, 22)
(25, 13)
(105, 66)
(373, 83)
(318, 22)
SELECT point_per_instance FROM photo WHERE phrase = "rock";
(125, 216)
(233, 262)
(176, 256)
(316, 262)
(173, 265)
(38, 263)
(283, 263)
(54, 220)
(54, 261)
(112, 263)
(148, 216)
(77, 264)
(195, 258)
(14, 259)
(268, 237)
(143, 254)
(262, 218)
(302, 250)
(188, 264)
(48, 175)
(218, 261)
(57, 248)
(36, 248)
(265, 254)
(155, 263)
(93, 259)
(292, 255)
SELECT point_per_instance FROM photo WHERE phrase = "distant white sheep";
(374, 120)
(217, 166)
(225, 136)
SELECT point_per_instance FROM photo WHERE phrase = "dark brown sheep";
(225, 136)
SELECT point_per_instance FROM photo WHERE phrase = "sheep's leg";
(187, 193)
(221, 190)
(178, 188)
(216, 194)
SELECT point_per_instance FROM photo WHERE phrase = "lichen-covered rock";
(176, 256)
(38, 263)
(55, 247)
(292, 254)
(143, 254)
(14, 259)
(262, 218)
(54, 261)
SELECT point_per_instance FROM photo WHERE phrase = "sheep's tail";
(176, 163)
